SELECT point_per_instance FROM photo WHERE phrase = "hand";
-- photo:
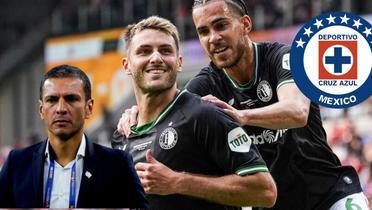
(127, 120)
(156, 178)
(238, 115)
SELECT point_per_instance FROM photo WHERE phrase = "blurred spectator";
(273, 15)
(301, 12)
(350, 137)
(140, 9)
(94, 12)
(331, 5)
(69, 16)
(117, 13)
(166, 9)
(368, 188)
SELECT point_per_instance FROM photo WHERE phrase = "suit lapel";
(88, 176)
(38, 174)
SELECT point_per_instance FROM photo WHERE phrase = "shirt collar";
(80, 153)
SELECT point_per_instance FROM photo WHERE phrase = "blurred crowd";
(17, 17)
(86, 15)
(349, 134)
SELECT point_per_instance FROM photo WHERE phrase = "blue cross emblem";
(338, 60)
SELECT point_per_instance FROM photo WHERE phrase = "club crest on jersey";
(238, 140)
(168, 138)
(264, 91)
(331, 59)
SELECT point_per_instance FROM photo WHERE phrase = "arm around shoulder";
(291, 110)
(297, 101)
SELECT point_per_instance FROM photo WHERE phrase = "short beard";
(156, 90)
(66, 136)
(235, 62)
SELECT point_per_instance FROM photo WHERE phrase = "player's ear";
(125, 66)
(89, 108)
(180, 61)
(247, 24)
(41, 110)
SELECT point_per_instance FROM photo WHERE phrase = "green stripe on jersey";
(284, 82)
(253, 81)
(251, 170)
(146, 127)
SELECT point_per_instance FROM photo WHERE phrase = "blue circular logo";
(331, 59)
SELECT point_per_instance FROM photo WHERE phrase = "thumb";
(150, 157)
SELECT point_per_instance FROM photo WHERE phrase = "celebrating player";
(189, 153)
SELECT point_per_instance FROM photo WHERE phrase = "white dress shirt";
(62, 177)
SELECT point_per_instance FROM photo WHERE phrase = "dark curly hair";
(238, 6)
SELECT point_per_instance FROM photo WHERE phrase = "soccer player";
(252, 82)
(189, 154)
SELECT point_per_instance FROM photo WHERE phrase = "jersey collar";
(253, 81)
(146, 127)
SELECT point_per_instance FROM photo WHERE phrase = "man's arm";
(291, 110)
(251, 190)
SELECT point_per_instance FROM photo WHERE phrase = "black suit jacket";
(113, 183)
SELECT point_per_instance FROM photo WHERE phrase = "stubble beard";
(66, 136)
(236, 60)
(168, 84)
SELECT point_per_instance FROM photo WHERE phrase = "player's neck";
(243, 71)
(65, 150)
(151, 105)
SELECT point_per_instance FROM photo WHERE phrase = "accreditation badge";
(331, 59)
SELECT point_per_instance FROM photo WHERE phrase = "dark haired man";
(67, 170)
(252, 82)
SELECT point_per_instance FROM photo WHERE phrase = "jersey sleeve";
(227, 144)
(201, 84)
(118, 141)
(279, 60)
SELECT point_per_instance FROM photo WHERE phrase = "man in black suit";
(67, 170)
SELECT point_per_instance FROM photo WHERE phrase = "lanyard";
(49, 185)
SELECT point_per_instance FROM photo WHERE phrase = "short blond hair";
(152, 22)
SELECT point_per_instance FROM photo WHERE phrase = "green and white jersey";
(193, 136)
(307, 173)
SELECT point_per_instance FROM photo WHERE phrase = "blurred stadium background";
(36, 35)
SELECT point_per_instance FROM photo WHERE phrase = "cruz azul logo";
(331, 59)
